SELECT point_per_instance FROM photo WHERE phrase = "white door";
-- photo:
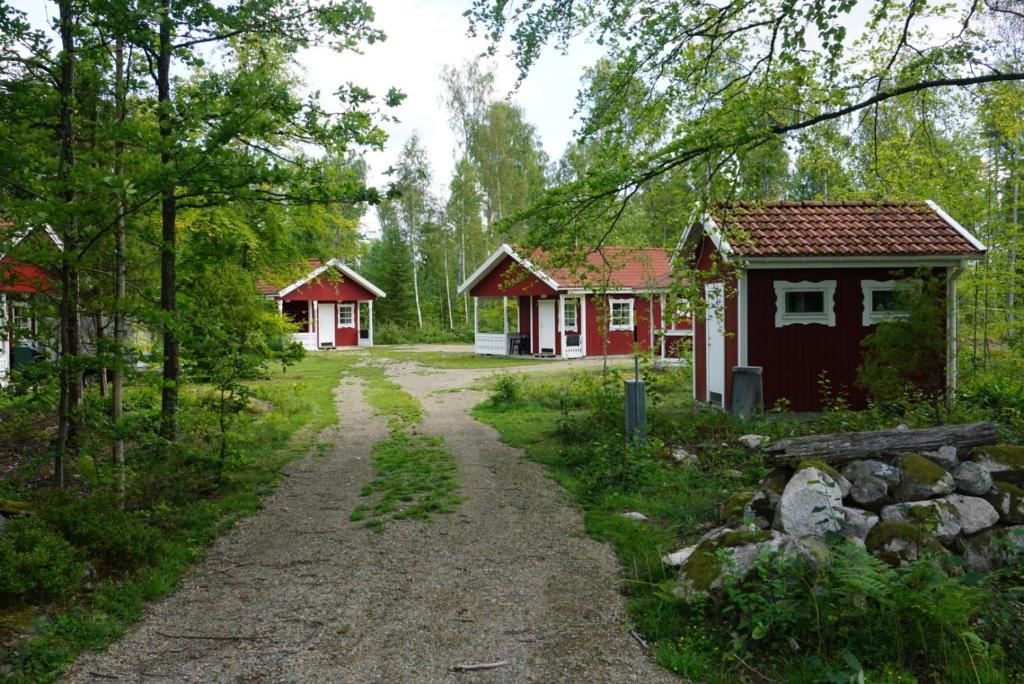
(546, 325)
(715, 334)
(326, 323)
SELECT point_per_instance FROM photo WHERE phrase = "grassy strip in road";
(453, 360)
(415, 475)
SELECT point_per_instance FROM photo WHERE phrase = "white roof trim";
(964, 233)
(333, 263)
(492, 261)
(20, 236)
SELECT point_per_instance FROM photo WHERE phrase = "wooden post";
(476, 316)
(560, 318)
(370, 320)
(583, 323)
(531, 324)
(504, 312)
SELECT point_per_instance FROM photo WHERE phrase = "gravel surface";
(297, 593)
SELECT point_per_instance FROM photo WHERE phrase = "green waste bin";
(23, 356)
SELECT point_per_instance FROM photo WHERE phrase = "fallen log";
(841, 447)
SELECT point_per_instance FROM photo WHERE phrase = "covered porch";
(529, 325)
(330, 324)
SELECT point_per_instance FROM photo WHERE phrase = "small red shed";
(794, 287)
(332, 304)
(19, 282)
(612, 297)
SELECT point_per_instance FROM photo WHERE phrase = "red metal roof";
(625, 267)
(839, 229)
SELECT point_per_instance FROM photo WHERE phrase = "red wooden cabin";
(332, 304)
(614, 297)
(19, 282)
(794, 287)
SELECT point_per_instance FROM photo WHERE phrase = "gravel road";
(297, 593)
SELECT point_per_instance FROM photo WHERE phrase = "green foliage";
(908, 353)
(36, 564)
(508, 388)
(107, 536)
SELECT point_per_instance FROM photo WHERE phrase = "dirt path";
(297, 593)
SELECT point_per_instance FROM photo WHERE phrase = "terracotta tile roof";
(625, 267)
(266, 288)
(839, 229)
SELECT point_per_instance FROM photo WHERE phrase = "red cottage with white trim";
(610, 298)
(794, 287)
(19, 282)
(332, 304)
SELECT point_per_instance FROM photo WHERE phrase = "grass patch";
(415, 476)
(452, 360)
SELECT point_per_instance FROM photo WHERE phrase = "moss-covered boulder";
(732, 509)
(994, 548)
(869, 492)
(1008, 500)
(976, 514)
(1004, 463)
(896, 541)
(730, 553)
(938, 519)
(922, 479)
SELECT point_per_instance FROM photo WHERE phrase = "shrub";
(508, 388)
(36, 563)
(113, 539)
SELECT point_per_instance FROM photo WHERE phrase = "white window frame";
(869, 287)
(611, 314)
(826, 317)
(569, 323)
(351, 315)
(19, 321)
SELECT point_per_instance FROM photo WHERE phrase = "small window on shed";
(621, 314)
(804, 303)
(346, 316)
(884, 300)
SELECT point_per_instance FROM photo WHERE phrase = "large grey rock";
(945, 457)
(896, 542)
(752, 442)
(999, 459)
(858, 523)
(869, 491)
(994, 548)
(702, 570)
(922, 479)
(976, 514)
(880, 469)
(1008, 500)
(939, 519)
(811, 504)
(971, 478)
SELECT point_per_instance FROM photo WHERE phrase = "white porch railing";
(306, 339)
(495, 344)
(573, 352)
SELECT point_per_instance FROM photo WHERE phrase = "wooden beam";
(849, 446)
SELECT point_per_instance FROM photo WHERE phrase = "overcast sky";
(424, 36)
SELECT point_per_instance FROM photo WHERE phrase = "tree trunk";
(69, 408)
(416, 291)
(1011, 294)
(841, 447)
(97, 321)
(120, 334)
(448, 291)
(168, 211)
